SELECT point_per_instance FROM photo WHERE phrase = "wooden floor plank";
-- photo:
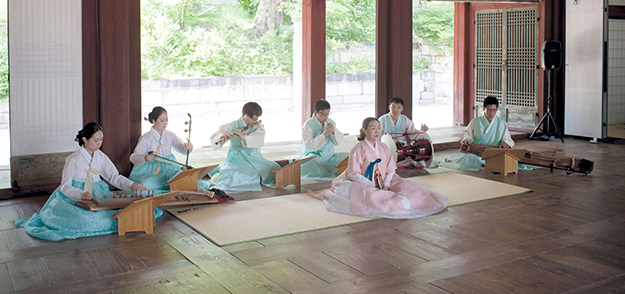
(459, 285)
(325, 267)
(8, 215)
(418, 247)
(17, 239)
(27, 274)
(5, 280)
(425, 289)
(152, 250)
(111, 261)
(61, 247)
(611, 285)
(373, 258)
(569, 274)
(564, 257)
(288, 275)
(198, 282)
(68, 267)
(527, 277)
(124, 280)
(223, 267)
(155, 288)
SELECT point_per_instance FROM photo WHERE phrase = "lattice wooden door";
(506, 63)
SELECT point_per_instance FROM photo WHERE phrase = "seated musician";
(397, 124)
(244, 168)
(370, 187)
(319, 136)
(487, 129)
(154, 163)
(60, 218)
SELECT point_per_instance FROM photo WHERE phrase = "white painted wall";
(45, 68)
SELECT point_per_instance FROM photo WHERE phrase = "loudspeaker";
(551, 57)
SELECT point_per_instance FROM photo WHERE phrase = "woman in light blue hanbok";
(150, 170)
(245, 168)
(487, 129)
(60, 218)
(319, 136)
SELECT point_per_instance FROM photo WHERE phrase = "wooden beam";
(393, 75)
(90, 63)
(313, 55)
(112, 75)
(463, 98)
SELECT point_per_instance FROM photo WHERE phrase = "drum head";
(388, 140)
(425, 142)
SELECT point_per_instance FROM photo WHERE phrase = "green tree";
(433, 23)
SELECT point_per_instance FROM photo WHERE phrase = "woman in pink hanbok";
(370, 187)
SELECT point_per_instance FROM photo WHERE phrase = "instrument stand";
(547, 117)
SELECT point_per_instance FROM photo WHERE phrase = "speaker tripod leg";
(538, 126)
(556, 126)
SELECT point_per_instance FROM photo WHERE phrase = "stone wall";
(218, 100)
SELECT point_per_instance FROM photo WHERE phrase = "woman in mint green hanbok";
(245, 168)
(150, 170)
(60, 218)
(487, 129)
(319, 136)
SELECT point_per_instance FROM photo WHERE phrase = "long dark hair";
(87, 131)
(365, 124)
(156, 112)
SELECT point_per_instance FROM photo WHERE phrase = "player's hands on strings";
(504, 145)
(465, 142)
(137, 186)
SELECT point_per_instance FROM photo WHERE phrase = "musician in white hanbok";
(60, 218)
(149, 169)
(245, 168)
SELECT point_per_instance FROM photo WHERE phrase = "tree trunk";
(268, 17)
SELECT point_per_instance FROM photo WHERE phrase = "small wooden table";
(503, 161)
(291, 173)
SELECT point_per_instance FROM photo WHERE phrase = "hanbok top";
(403, 125)
(160, 144)
(313, 139)
(254, 137)
(244, 166)
(480, 131)
(315, 143)
(82, 167)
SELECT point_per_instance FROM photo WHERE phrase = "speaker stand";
(547, 117)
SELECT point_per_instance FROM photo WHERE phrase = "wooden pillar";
(393, 61)
(313, 55)
(112, 75)
(463, 70)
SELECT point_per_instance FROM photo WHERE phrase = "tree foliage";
(217, 40)
(433, 23)
(220, 47)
